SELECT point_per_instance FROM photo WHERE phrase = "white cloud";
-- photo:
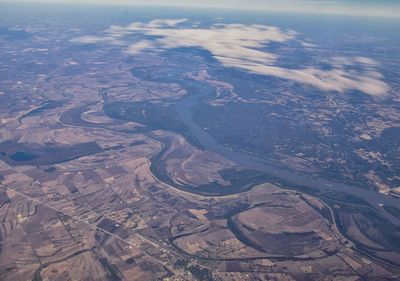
(307, 44)
(243, 47)
(139, 47)
(90, 39)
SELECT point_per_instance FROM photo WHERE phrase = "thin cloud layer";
(243, 47)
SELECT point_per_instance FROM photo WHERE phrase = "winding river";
(199, 90)
(184, 108)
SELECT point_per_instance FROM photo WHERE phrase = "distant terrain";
(142, 144)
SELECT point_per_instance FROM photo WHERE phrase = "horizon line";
(299, 6)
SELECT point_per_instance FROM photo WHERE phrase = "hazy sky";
(386, 8)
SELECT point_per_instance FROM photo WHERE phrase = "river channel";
(184, 109)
